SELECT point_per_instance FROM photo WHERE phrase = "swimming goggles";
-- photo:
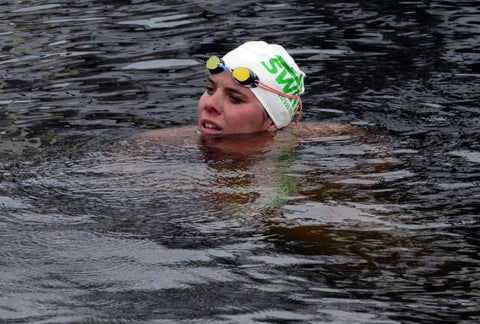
(246, 77)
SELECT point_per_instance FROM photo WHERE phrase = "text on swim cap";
(285, 74)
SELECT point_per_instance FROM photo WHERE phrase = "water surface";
(375, 228)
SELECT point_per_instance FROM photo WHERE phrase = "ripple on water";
(338, 229)
(471, 156)
(161, 64)
(173, 21)
(37, 8)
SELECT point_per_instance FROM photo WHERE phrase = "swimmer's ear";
(268, 121)
(271, 127)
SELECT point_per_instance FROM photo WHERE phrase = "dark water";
(349, 229)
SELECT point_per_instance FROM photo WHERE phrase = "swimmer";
(254, 89)
(248, 132)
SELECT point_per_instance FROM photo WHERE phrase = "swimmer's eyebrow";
(231, 90)
(210, 80)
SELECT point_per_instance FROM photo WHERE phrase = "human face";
(229, 108)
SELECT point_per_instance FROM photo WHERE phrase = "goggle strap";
(278, 92)
(298, 112)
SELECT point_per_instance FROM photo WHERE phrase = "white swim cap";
(277, 69)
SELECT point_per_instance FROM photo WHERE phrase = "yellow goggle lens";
(241, 74)
(213, 63)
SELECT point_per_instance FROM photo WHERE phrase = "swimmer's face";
(229, 108)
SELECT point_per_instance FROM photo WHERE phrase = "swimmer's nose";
(212, 104)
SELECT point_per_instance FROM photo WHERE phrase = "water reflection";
(333, 228)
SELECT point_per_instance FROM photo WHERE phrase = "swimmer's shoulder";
(317, 130)
(172, 135)
(328, 132)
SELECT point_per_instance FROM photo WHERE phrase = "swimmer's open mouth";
(210, 127)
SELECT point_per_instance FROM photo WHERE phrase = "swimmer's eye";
(210, 90)
(236, 100)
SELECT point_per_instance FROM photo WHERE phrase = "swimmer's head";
(271, 74)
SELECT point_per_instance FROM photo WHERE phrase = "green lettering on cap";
(284, 74)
